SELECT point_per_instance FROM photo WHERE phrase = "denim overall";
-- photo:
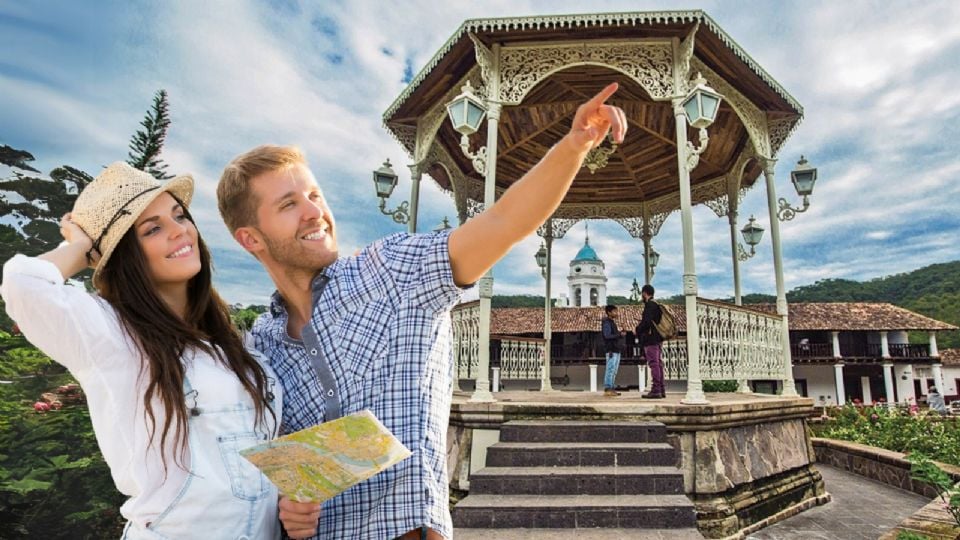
(224, 496)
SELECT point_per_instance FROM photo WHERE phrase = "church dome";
(586, 253)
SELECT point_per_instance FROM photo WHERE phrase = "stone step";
(574, 431)
(579, 534)
(539, 454)
(574, 512)
(577, 480)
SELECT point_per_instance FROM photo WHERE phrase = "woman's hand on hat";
(74, 235)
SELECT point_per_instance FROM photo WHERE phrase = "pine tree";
(146, 144)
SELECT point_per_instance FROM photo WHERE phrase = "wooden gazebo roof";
(644, 168)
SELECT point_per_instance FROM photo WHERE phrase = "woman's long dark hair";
(163, 337)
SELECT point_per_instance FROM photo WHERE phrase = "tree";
(146, 144)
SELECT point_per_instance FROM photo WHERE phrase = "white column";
(789, 388)
(888, 381)
(416, 174)
(867, 393)
(732, 218)
(641, 377)
(933, 347)
(838, 375)
(937, 372)
(884, 345)
(694, 383)
(482, 391)
(593, 377)
(496, 379)
(836, 344)
(647, 271)
(547, 308)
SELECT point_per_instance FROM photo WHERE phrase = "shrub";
(894, 429)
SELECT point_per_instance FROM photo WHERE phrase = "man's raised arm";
(479, 243)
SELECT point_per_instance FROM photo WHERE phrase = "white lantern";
(804, 176)
(466, 111)
(385, 180)
(701, 104)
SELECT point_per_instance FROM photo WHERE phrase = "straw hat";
(108, 206)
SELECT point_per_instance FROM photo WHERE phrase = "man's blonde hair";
(235, 200)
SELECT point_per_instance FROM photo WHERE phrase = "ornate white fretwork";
(466, 340)
(685, 54)
(484, 58)
(780, 129)
(521, 358)
(404, 134)
(648, 63)
(738, 343)
(735, 343)
(635, 226)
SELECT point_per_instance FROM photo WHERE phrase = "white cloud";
(881, 115)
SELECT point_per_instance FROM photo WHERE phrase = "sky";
(878, 82)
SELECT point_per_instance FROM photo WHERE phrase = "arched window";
(594, 296)
(576, 297)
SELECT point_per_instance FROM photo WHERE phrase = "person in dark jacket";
(613, 346)
(650, 340)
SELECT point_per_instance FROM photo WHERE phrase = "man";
(372, 331)
(613, 345)
(935, 401)
(650, 340)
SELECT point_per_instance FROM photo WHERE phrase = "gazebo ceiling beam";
(531, 136)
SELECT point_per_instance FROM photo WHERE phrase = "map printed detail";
(320, 462)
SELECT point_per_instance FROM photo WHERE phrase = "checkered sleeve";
(420, 265)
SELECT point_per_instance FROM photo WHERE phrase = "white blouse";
(83, 332)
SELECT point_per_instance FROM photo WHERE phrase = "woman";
(173, 393)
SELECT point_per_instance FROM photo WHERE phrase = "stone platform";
(746, 459)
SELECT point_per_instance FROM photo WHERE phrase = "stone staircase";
(615, 478)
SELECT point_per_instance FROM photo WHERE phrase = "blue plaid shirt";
(379, 339)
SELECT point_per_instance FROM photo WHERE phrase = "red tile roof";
(950, 357)
(812, 316)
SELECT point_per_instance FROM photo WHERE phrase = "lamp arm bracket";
(478, 158)
(401, 215)
(787, 212)
(693, 152)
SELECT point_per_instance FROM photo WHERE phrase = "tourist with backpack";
(651, 339)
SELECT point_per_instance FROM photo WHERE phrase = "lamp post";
(543, 261)
(444, 225)
(698, 109)
(752, 234)
(385, 180)
(803, 176)
(651, 261)
(466, 112)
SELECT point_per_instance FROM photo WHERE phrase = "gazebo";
(528, 75)
(706, 121)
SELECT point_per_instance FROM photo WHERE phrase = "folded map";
(320, 462)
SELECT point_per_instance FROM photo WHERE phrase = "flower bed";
(898, 429)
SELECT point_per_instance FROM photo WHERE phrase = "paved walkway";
(861, 509)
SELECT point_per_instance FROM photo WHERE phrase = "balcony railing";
(517, 357)
(811, 350)
(873, 350)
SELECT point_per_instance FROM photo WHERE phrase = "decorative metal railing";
(738, 343)
(517, 357)
(466, 341)
(735, 343)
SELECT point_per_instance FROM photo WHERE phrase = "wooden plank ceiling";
(644, 167)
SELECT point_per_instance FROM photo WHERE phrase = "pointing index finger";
(604, 94)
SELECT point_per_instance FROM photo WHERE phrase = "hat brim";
(180, 187)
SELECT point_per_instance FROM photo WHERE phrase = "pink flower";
(874, 416)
